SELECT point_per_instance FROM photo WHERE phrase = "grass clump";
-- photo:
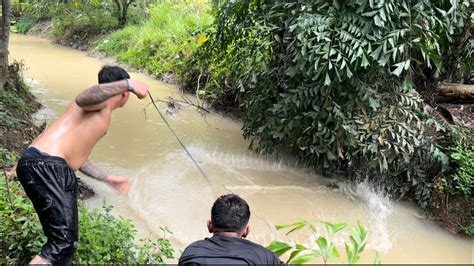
(172, 33)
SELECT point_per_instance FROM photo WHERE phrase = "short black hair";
(230, 213)
(112, 73)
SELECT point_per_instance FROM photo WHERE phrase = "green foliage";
(104, 238)
(22, 236)
(161, 44)
(13, 100)
(154, 252)
(111, 245)
(7, 119)
(324, 244)
(81, 20)
(24, 25)
(39, 10)
(7, 158)
(466, 63)
(462, 152)
(469, 230)
(332, 81)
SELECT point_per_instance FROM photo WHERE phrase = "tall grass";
(161, 44)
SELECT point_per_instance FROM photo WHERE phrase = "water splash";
(380, 209)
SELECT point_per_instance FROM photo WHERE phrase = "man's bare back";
(78, 129)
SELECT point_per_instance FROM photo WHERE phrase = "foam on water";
(380, 209)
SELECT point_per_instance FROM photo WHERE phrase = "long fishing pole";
(179, 140)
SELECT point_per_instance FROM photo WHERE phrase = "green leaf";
(370, 14)
(333, 253)
(365, 62)
(362, 230)
(291, 71)
(327, 81)
(305, 258)
(349, 253)
(376, 53)
(293, 254)
(377, 260)
(296, 228)
(278, 247)
(322, 243)
(339, 226)
(283, 226)
(399, 68)
(407, 64)
(374, 104)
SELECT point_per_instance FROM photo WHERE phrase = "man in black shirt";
(229, 217)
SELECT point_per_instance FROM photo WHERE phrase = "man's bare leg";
(39, 260)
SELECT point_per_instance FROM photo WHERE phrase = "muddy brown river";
(168, 190)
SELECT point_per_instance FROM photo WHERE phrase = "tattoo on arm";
(93, 171)
(101, 93)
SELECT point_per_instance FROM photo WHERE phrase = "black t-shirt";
(227, 250)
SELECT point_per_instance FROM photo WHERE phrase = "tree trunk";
(4, 35)
(456, 92)
(122, 9)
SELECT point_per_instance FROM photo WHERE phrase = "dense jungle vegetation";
(348, 87)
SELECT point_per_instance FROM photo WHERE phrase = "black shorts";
(52, 187)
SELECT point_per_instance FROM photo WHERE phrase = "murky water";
(168, 190)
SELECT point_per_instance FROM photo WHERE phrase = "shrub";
(40, 10)
(13, 100)
(24, 25)
(462, 152)
(104, 238)
(7, 158)
(22, 235)
(332, 81)
(163, 43)
(80, 22)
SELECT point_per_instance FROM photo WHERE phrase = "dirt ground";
(16, 139)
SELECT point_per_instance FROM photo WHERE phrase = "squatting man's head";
(230, 214)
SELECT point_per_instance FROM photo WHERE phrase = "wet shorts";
(52, 187)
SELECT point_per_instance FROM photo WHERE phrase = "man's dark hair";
(112, 73)
(230, 213)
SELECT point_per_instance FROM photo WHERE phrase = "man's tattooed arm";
(93, 171)
(96, 96)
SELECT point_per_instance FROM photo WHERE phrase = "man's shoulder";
(261, 255)
(198, 243)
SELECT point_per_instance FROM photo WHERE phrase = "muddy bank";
(83, 43)
(17, 106)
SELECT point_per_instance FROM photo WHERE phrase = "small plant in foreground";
(325, 247)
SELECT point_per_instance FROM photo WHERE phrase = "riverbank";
(17, 105)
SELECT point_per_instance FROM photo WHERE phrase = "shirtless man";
(46, 168)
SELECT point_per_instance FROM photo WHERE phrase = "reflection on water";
(169, 190)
